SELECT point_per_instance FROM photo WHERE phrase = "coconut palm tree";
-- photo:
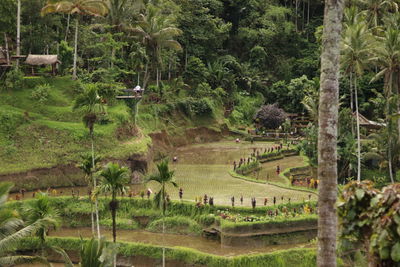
(164, 177)
(12, 230)
(357, 43)
(327, 133)
(92, 106)
(80, 7)
(387, 58)
(114, 180)
(86, 165)
(39, 209)
(156, 31)
(375, 9)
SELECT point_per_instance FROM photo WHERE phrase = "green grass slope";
(36, 135)
(42, 135)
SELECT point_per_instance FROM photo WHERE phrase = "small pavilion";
(43, 60)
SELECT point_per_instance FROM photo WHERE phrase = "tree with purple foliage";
(270, 116)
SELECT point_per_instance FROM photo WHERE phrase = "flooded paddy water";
(173, 240)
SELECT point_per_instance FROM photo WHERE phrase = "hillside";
(45, 134)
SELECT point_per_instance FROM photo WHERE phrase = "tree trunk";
(389, 125)
(18, 31)
(96, 203)
(67, 30)
(146, 75)
(327, 133)
(169, 69)
(157, 76)
(74, 77)
(351, 103)
(114, 224)
(7, 51)
(163, 222)
(112, 57)
(92, 215)
(295, 14)
(358, 132)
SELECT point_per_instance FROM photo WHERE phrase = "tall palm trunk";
(74, 77)
(351, 102)
(146, 75)
(358, 132)
(67, 30)
(157, 76)
(389, 125)
(327, 133)
(18, 31)
(163, 224)
(92, 215)
(113, 207)
(96, 203)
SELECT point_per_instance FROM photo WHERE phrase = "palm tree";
(163, 177)
(12, 231)
(115, 181)
(327, 133)
(387, 57)
(91, 105)
(82, 7)
(86, 165)
(357, 43)
(41, 209)
(376, 8)
(156, 31)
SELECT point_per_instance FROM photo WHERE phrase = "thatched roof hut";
(364, 122)
(37, 60)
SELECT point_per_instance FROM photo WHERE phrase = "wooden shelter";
(43, 60)
(368, 124)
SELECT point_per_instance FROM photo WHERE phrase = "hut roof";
(42, 60)
(368, 123)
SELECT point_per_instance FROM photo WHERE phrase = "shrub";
(195, 107)
(41, 93)
(66, 54)
(14, 79)
(176, 225)
(196, 71)
(270, 116)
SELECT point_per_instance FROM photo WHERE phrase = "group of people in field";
(308, 182)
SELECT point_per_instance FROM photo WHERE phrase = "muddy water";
(204, 169)
(172, 240)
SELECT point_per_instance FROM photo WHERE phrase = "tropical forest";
(200, 133)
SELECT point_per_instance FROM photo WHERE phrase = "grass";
(52, 133)
(301, 257)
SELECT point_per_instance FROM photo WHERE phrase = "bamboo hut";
(43, 60)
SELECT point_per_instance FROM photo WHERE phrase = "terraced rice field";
(204, 169)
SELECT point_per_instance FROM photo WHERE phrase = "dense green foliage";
(369, 217)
